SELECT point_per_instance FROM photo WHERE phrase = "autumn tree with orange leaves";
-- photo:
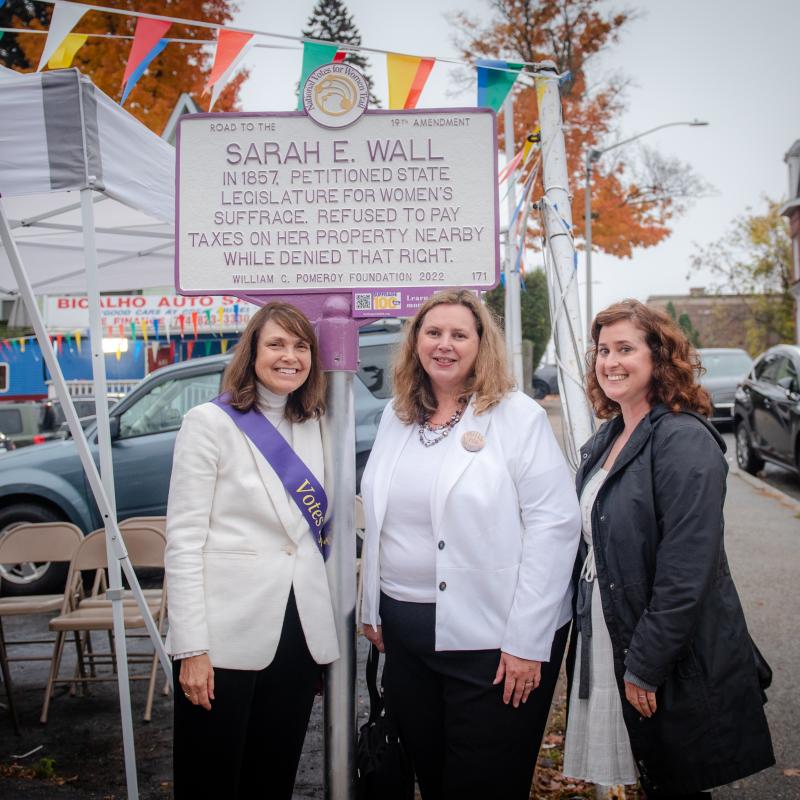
(633, 199)
(179, 68)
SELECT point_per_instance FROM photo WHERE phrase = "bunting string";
(346, 46)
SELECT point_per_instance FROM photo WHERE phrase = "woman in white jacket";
(250, 611)
(471, 532)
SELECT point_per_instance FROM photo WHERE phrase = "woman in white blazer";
(250, 611)
(471, 533)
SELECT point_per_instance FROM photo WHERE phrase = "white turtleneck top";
(273, 407)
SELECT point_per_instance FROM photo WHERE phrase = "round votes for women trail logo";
(335, 95)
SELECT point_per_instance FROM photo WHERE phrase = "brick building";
(719, 319)
(791, 209)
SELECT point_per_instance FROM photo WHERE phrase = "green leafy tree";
(636, 191)
(754, 260)
(331, 22)
(685, 323)
(534, 310)
(11, 15)
(689, 330)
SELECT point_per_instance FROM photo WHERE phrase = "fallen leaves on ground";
(35, 772)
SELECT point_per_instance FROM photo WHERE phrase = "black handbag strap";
(375, 698)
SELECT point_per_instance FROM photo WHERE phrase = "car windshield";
(726, 365)
(375, 369)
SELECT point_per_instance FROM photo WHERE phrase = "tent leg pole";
(82, 446)
(107, 476)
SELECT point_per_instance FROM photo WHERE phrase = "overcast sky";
(730, 62)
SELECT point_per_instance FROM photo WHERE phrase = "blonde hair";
(240, 380)
(489, 382)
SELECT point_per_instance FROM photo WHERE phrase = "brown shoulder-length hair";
(490, 380)
(676, 364)
(240, 379)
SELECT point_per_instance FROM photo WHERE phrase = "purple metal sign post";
(337, 332)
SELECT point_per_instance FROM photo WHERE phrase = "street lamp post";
(592, 155)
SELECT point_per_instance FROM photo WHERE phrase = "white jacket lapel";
(456, 461)
(392, 446)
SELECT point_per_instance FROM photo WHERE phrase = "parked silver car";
(40, 484)
(726, 368)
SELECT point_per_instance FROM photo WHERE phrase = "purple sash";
(297, 478)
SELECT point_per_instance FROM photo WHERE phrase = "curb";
(765, 488)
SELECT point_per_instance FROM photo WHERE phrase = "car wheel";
(540, 388)
(746, 457)
(29, 578)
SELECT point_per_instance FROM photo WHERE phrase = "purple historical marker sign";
(396, 206)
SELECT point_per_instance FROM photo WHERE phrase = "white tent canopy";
(60, 134)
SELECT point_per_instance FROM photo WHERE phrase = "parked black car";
(767, 411)
(726, 368)
(545, 381)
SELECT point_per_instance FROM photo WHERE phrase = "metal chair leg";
(12, 708)
(80, 666)
(55, 664)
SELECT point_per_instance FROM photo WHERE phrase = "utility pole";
(513, 314)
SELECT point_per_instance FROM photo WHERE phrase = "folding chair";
(145, 548)
(38, 542)
(160, 523)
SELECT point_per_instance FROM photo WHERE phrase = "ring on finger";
(186, 694)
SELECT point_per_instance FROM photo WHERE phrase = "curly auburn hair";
(240, 379)
(676, 365)
(490, 381)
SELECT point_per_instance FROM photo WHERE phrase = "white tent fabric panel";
(24, 166)
(138, 166)
(60, 121)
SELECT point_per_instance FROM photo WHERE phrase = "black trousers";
(248, 746)
(463, 740)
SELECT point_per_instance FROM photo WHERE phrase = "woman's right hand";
(197, 680)
(375, 635)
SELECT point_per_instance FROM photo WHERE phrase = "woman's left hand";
(642, 700)
(521, 677)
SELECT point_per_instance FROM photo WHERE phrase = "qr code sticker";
(363, 301)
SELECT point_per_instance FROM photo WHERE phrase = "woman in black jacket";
(664, 676)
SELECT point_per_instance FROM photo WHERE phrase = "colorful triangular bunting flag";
(407, 77)
(495, 81)
(145, 37)
(140, 70)
(65, 18)
(65, 52)
(231, 49)
(315, 54)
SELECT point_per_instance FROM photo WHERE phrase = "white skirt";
(597, 748)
